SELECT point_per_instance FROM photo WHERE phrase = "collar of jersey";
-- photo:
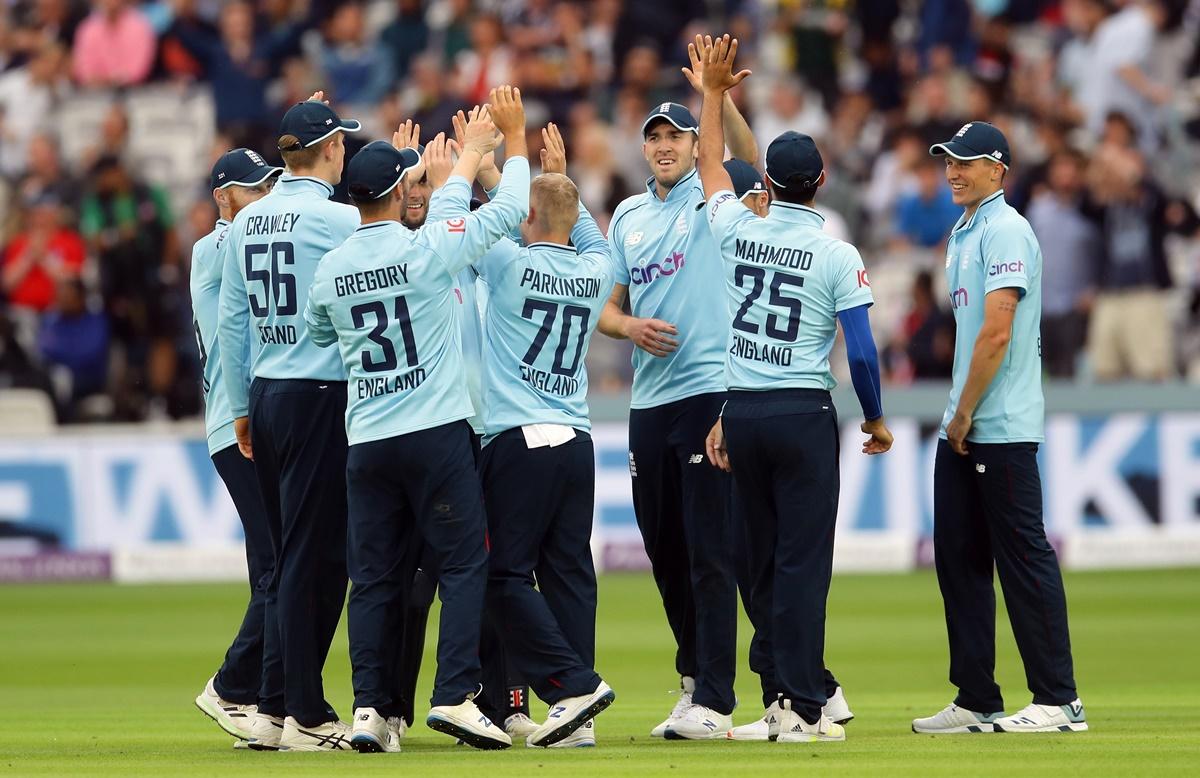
(990, 203)
(680, 191)
(797, 214)
(292, 183)
(549, 245)
(373, 225)
(221, 223)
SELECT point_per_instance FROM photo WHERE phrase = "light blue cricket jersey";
(385, 296)
(667, 256)
(207, 264)
(545, 303)
(470, 297)
(996, 249)
(786, 281)
(272, 251)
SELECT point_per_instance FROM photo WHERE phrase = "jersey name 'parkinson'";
(271, 254)
(787, 280)
(401, 342)
(667, 256)
(544, 304)
(207, 263)
(996, 249)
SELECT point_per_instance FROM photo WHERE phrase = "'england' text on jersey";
(370, 280)
(546, 283)
(271, 225)
(766, 254)
(383, 385)
(772, 355)
(549, 382)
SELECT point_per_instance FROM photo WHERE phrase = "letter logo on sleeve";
(862, 279)
(724, 198)
(458, 224)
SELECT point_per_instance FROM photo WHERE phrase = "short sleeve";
(1007, 259)
(851, 287)
(617, 255)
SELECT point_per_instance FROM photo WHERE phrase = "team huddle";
(396, 398)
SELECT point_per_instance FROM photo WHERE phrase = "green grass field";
(99, 680)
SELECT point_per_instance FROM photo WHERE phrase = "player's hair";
(556, 202)
(372, 208)
(798, 195)
(296, 156)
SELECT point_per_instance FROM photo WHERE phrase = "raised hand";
(693, 73)
(488, 164)
(439, 160)
(717, 56)
(319, 97)
(408, 136)
(479, 132)
(508, 112)
(554, 153)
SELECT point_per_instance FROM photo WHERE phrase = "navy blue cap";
(676, 114)
(976, 140)
(241, 167)
(377, 168)
(746, 180)
(793, 161)
(312, 122)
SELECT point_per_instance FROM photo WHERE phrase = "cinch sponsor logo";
(959, 298)
(669, 266)
(1003, 268)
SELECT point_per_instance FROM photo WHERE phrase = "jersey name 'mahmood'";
(766, 254)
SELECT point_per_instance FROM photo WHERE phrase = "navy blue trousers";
(414, 489)
(783, 447)
(541, 581)
(762, 661)
(240, 676)
(682, 508)
(298, 431)
(987, 512)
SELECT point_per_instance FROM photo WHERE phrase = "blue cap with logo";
(377, 168)
(312, 122)
(793, 161)
(241, 167)
(746, 180)
(975, 140)
(674, 113)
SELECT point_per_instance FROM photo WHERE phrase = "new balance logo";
(710, 724)
(981, 469)
(695, 459)
(558, 711)
(632, 466)
(1076, 709)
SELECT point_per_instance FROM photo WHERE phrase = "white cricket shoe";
(757, 730)
(265, 732)
(794, 729)
(953, 720)
(837, 709)
(328, 736)
(235, 719)
(1045, 718)
(700, 723)
(373, 734)
(687, 686)
(519, 725)
(584, 737)
(570, 714)
(467, 723)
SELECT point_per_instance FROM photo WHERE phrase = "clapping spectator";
(114, 46)
(37, 259)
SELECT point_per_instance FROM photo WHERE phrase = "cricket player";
(790, 285)
(749, 187)
(289, 420)
(230, 698)
(987, 508)
(505, 699)
(667, 259)
(382, 297)
(538, 464)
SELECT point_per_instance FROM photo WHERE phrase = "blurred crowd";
(112, 111)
